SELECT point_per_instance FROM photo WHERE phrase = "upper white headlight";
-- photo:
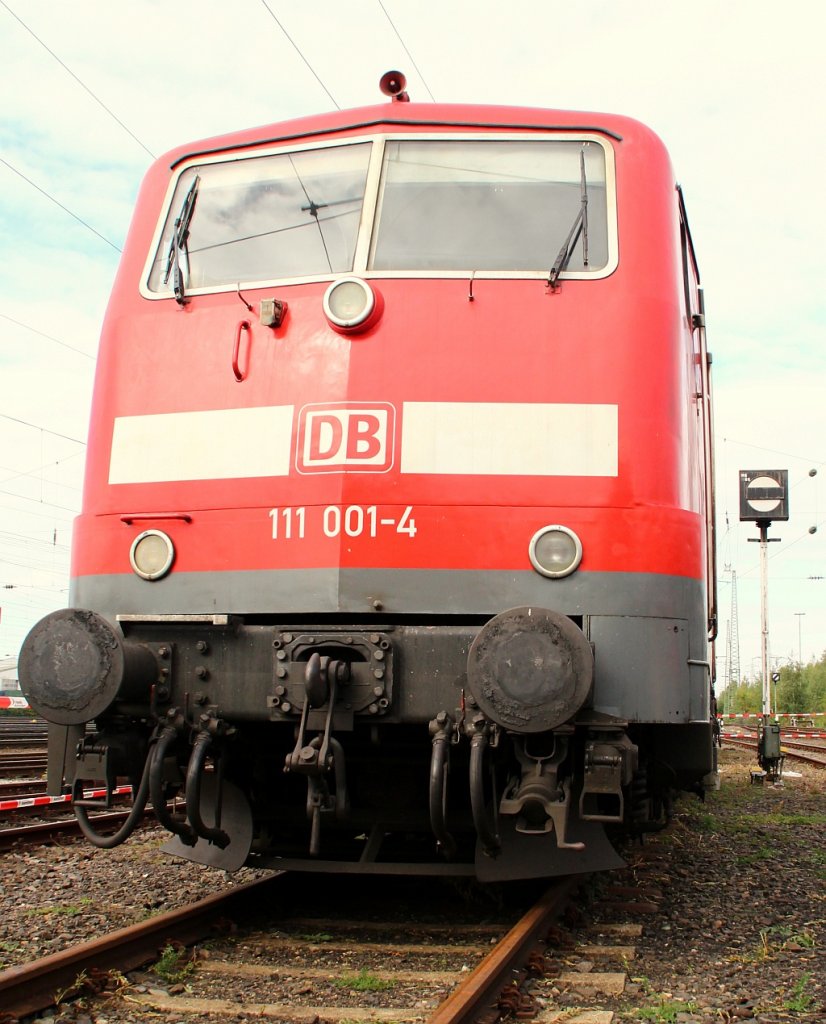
(555, 551)
(349, 302)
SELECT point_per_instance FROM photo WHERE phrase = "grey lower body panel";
(397, 591)
(648, 630)
(346, 712)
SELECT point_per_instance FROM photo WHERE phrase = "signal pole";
(764, 616)
(800, 637)
(764, 499)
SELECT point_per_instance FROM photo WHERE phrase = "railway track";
(39, 832)
(22, 733)
(803, 752)
(14, 766)
(325, 965)
(32, 987)
(308, 948)
(9, 789)
(420, 961)
(305, 969)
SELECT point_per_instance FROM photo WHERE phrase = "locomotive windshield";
(459, 205)
(290, 215)
(437, 205)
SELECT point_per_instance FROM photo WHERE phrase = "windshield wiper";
(579, 227)
(179, 242)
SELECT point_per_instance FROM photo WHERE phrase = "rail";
(483, 985)
(29, 988)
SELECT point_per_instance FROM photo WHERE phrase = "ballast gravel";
(740, 933)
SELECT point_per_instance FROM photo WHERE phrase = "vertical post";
(764, 615)
(800, 637)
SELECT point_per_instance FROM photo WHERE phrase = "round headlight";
(349, 302)
(151, 554)
(555, 551)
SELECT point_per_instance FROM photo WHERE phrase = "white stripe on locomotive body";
(509, 439)
(437, 438)
(217, 444)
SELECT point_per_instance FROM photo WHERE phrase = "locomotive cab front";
(395, 545)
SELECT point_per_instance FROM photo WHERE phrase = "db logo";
(346, 436)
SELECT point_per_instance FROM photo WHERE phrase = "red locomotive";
(396, 547)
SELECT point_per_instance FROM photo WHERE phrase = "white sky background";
(735, 89)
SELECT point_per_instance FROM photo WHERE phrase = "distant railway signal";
(764, 495)
(764, 499)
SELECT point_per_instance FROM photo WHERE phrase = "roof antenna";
(393, 84)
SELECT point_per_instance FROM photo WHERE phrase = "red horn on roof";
(393, 84)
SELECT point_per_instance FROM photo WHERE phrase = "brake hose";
(128, 827)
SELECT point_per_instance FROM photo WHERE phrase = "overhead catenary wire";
(773, 451)
(795, 483)
(37, 426)
(297, 50)
(48, 540)
(36, 472)
(57, 202)
(82, 84)
(407, 51)
(33, 514)
(49, 569)
(49, 337)
(39, 501)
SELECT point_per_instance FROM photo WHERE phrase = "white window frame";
(370, 211)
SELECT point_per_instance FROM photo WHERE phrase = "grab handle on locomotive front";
(244, 327)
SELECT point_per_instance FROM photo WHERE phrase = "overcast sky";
(735, 89)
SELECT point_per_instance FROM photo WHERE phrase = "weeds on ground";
(666, 1012)
(799, 1001)
(70, 990)
(364, 981)
(64, 909)
(780, 936)
(644, 984)
(175, 964)
(756, 856)
(774, 940)
(92, 983)
(818, 858)
(7, 947)
(775, 820)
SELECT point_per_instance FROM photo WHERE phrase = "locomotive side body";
(397, 501)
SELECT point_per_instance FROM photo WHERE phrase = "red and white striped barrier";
(65, 798)
(13, 702)
(780, 714)
(783, 735)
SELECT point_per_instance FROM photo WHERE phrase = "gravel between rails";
(52, 897)
(741, 934)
